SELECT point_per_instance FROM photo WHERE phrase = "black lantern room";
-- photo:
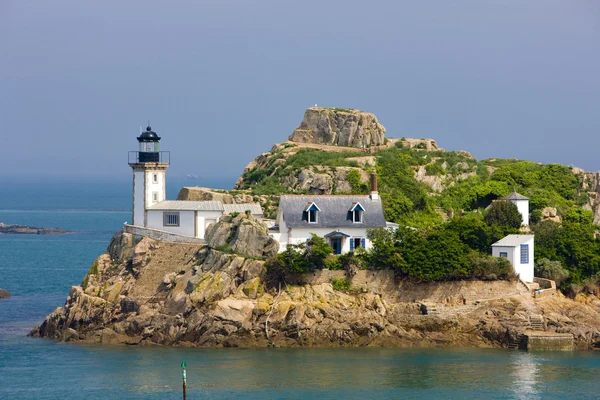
(149, 146)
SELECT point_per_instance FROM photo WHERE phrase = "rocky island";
(149, 292)
(224, 292)
(4, 294)
(29, 230)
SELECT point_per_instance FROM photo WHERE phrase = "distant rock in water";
(4, 294)
(339, 127)
(30, 230)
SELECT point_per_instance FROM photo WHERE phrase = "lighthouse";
(149, 166)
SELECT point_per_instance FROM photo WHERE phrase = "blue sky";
(221, 81)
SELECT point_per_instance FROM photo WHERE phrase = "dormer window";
(312, 213)
(356, 213)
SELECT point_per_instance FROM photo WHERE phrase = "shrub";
(545, 268)
(332, 262)
(354, 258)
(490, 268)
(342, 284)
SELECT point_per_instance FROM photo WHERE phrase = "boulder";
(120, 247)
(204, 194)
(4, 294)
(341, 127)
(550, 214)
(244, 234)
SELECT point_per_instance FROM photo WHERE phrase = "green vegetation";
(458, 250)
(548, 269)
(358, 187)
(301, 258)
(432, 249)
(341, 284)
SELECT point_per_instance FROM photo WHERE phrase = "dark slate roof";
(515, 196)
(148, 136)
(334, 211)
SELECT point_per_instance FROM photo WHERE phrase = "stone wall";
(160, 235)
(549, 342)
(371, 281)
(545, 283)
(451, 293)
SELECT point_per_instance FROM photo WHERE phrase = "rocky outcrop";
(340, 127)
(4, 294)
(30, 230)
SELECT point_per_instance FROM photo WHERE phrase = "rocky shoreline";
(30, 230)
(156, 293)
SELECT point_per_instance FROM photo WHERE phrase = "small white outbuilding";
(518, 249)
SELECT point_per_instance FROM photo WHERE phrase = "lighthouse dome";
(148, 136)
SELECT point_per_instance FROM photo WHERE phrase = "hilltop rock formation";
(339, 127)
(4, 294)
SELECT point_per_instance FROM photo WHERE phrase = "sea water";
(39, 270)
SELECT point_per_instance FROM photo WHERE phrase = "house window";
(357, 243)
(503, 254)
(312, 213)
(154, 178)
(356, 212)
(524, 254)
(171, 219)
(154, 196)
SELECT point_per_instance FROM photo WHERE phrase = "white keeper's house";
(342, 220)
(151, 209)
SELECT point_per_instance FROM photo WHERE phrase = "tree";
(317, 250)
(384, 253)
(504, 213)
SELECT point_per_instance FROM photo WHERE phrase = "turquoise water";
(39, 271)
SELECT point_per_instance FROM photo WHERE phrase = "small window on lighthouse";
(154, 178)
(155, 196)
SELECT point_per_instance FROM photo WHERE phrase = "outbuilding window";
(503, 254)
(171, 219)
(524, 254)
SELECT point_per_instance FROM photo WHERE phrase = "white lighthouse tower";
(149, 166)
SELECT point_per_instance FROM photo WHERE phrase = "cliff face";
(340, 127)
(149, 292)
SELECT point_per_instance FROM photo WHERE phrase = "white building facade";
(518, 249)
(343, 220)
(150, 207)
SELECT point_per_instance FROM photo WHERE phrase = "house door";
(336, 243)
